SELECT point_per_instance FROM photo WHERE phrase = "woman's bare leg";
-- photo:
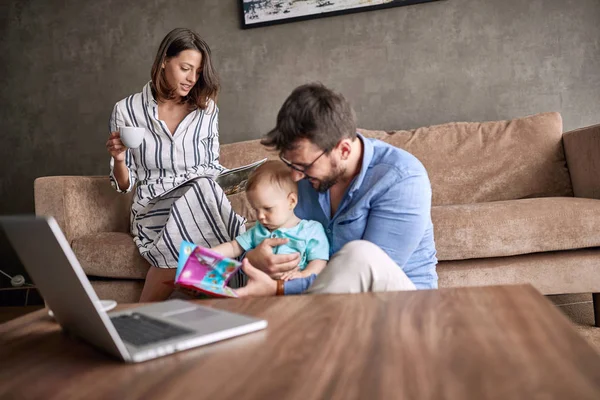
(154, 288)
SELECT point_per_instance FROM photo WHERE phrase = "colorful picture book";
(204, 270)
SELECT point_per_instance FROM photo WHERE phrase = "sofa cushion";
(110, 254)
(553, 272)
(83, 204)
(470, 162)
(507, 228)
(234, 155)
(120, 290)
(242, 207)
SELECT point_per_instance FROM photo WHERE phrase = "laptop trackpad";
(197, 314)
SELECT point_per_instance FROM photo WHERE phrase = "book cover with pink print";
(204, 270)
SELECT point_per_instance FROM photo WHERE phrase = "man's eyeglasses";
(302, 169)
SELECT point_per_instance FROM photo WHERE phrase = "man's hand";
(274, 265)
(259, 283)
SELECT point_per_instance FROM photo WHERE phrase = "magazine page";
(243, 167)
(231, 181)
(234, 180)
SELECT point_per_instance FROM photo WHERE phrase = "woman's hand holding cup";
(127, 137)
(115, 146)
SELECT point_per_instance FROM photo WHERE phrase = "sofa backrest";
(84, 205)
(471, 162)
(466, 162)
(234, 155)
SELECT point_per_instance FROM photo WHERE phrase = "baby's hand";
(293, 274)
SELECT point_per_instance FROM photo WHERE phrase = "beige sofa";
(513, 202)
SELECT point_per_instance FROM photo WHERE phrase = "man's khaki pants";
(360, 266)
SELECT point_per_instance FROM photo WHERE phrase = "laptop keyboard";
(141, 330)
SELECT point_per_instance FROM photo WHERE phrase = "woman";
(172, 171)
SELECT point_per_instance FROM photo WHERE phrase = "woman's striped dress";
(176, 197)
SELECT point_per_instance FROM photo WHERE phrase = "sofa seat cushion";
(553, 272)
(110, 254)
(508, 228)
(119, 290)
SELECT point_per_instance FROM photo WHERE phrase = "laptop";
(133, 335)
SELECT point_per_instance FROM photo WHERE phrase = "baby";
(273, 195)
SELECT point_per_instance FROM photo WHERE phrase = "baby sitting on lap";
(274, 195)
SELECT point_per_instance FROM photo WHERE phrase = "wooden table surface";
(474, 343)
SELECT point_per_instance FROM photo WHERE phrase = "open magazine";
(234, 180)
(203, 270)
(231, 181)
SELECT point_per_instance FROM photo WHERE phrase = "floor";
(577, 307)
(8, 313)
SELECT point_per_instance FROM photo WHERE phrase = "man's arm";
(260, 284)
(399, 217)
(298, 286)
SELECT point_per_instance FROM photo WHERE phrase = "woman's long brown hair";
(206, 88)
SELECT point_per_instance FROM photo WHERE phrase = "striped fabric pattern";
(176, 197)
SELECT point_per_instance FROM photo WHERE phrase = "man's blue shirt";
(388, 203)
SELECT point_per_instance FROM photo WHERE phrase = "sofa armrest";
(82, 205)
(48, 200)
(582, 150)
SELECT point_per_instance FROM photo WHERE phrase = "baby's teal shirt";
(307, 238)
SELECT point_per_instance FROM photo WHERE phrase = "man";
(373, 199)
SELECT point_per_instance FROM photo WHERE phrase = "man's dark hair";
(312, 112)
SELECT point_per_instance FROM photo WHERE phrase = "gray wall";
(65, 64)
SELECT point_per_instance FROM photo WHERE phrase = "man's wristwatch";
(279, 291)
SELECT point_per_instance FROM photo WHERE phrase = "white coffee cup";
(132, 136)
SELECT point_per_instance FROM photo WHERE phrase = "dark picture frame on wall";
(257, 13)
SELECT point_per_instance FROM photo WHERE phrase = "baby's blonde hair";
(274, 172)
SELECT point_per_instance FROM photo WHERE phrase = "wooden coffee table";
(474, 343)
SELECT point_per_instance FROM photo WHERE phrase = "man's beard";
(326, 183)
